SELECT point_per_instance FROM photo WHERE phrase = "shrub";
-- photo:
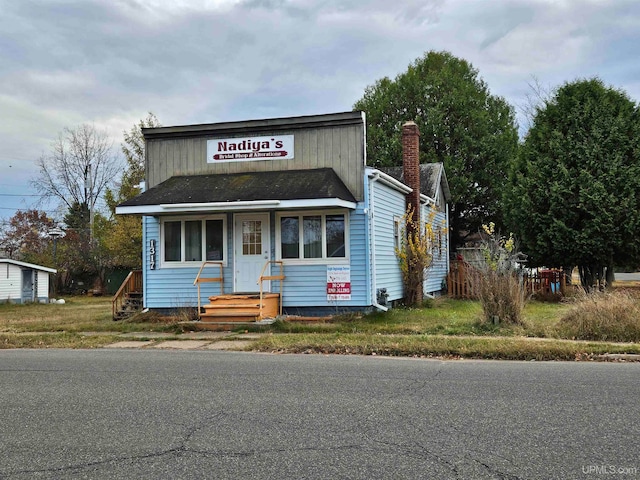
(603, 316)
(415, 253)
(498, 284)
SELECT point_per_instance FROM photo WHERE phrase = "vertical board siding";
(387, 205)
(436, 274)
(337, 147)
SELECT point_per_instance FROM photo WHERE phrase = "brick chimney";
(411, 174)
(411, 165)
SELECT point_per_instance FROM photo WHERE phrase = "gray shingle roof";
(238, 187)
(431, 175)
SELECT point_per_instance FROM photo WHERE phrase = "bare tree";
(536, 99)
(78, 169)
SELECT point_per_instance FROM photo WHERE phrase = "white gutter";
(389, 181)
(375, 176)
(233, 206)
(426, 199)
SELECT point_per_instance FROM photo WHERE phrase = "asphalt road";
(206, 414)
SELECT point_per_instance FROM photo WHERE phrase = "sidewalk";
(184, 341)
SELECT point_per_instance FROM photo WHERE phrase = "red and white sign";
(339, 282)
(249, 149)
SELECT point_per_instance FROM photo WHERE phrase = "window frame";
(323, 214)
(203, 233)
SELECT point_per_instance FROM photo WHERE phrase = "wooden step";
(241, 307)
(229, 317)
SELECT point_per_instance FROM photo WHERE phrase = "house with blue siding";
(237, 213)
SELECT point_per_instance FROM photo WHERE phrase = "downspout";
(448, 239)
(372, 239)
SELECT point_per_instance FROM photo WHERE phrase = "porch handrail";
(264, 277)
(200, 280)
(131, 283)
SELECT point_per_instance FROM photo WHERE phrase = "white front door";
(252, 247)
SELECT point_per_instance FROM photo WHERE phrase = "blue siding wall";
(173, 287)
(436, 274)
(387, 204)
(304, 285)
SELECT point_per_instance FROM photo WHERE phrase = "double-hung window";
(313, 236)
(186, 241)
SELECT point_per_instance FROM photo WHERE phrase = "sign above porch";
(248, 149)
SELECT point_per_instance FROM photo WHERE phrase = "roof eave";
(217, 207)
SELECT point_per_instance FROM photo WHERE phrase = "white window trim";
(190, 264)
(398, 241)
(314, 261)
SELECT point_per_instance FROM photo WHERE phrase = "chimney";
(411, 165)
(411, 174)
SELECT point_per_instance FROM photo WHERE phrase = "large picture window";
(312, 236)
(189, 240)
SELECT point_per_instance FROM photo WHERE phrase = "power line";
(17, 195)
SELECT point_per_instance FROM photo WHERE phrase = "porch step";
(219, 317)
(243, 307)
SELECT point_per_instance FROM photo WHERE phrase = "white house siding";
(43, 286)
(387, 205)
(436, 274)
(10, 283)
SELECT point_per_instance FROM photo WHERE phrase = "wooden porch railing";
(264, 278)
(200, 280)
(131, 284)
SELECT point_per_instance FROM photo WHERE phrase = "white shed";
(22, 282)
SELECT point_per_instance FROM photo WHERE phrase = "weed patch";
(613, 317)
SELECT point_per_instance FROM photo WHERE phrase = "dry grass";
(502, 297)
(506, 348)
(447, 328)
(78, 314)
(609, 316)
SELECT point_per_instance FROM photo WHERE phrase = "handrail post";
(220, 279)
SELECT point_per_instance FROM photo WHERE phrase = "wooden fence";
(463, 279)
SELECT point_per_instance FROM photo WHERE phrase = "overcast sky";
(109, 62)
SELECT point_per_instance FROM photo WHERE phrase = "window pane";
(290, 237)
(312, 235)
(215, 240)
(193, 240)
(251, 237)
(335, 236)
(172, 241)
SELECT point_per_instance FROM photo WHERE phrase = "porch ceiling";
(264, 190)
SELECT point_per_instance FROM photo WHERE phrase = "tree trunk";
(611, 276)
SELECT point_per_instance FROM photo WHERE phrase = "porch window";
(312, 236)
(191, 241)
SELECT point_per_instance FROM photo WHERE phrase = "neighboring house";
(256, 194)
(22, 282)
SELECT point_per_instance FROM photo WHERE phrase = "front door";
(252, 247)
(27, 286)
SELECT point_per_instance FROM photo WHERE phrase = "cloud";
(109, 62)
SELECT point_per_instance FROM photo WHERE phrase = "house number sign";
(152, 254)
